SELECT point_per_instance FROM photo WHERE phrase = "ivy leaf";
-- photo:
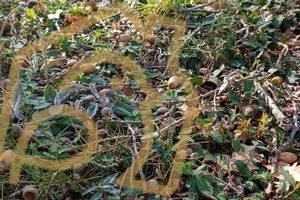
(243, 168)
(49, 93)
(277, 21)
(216, 137)
(198, 80)
(234, 97)
(248, 85)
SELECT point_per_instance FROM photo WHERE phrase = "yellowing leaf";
(264, 119)
(31, 13)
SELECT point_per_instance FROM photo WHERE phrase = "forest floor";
(162, 100)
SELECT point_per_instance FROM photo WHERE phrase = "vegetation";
(242, 57)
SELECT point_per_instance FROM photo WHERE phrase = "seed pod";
(152, 182)
(287, 157)
(87, 68)
(204, 70)
(151, 38)
(76, 177)
(31, 3)
(107, 93)
(251, 111)
(128, 91)
(277, 80)
(6, 160)
(124, 38)
(72, 62)
(22, 63)
(30, 193)
(7, 27)
(189, 151)
(19, 57)
(106, 112)
(16, 130)
(174, 82)
(162, 110)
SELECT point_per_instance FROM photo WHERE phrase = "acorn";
(72, 62)
(124, 38)
(287, 157)
(277, 80)
(174, 82)
(128, 91)
(30, 193)
(151, 38)
(87, 68)
(107, 92)
(7, 27)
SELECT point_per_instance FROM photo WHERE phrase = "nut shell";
(7, 27)
(174, 82)
(277, 80)
(287, 157)
(151, 38)
(124, 38)
(30, 193)
(87, 68)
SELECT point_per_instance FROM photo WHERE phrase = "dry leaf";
(294, 171)
(243, 157)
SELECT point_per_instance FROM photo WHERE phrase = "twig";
(162, 131)
(284, 122)
(268, 190)
(295, 122)
(282, 53)
(199, 8)
(135, 148)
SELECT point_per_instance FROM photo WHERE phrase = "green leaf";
(49, 93)
(234, 97)
(204, 185)
(243, 168)
(248, 85)
(277, 21)
(122, 109)
(206, 154)
(236, 145)
(198, 80)
(217, 137)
